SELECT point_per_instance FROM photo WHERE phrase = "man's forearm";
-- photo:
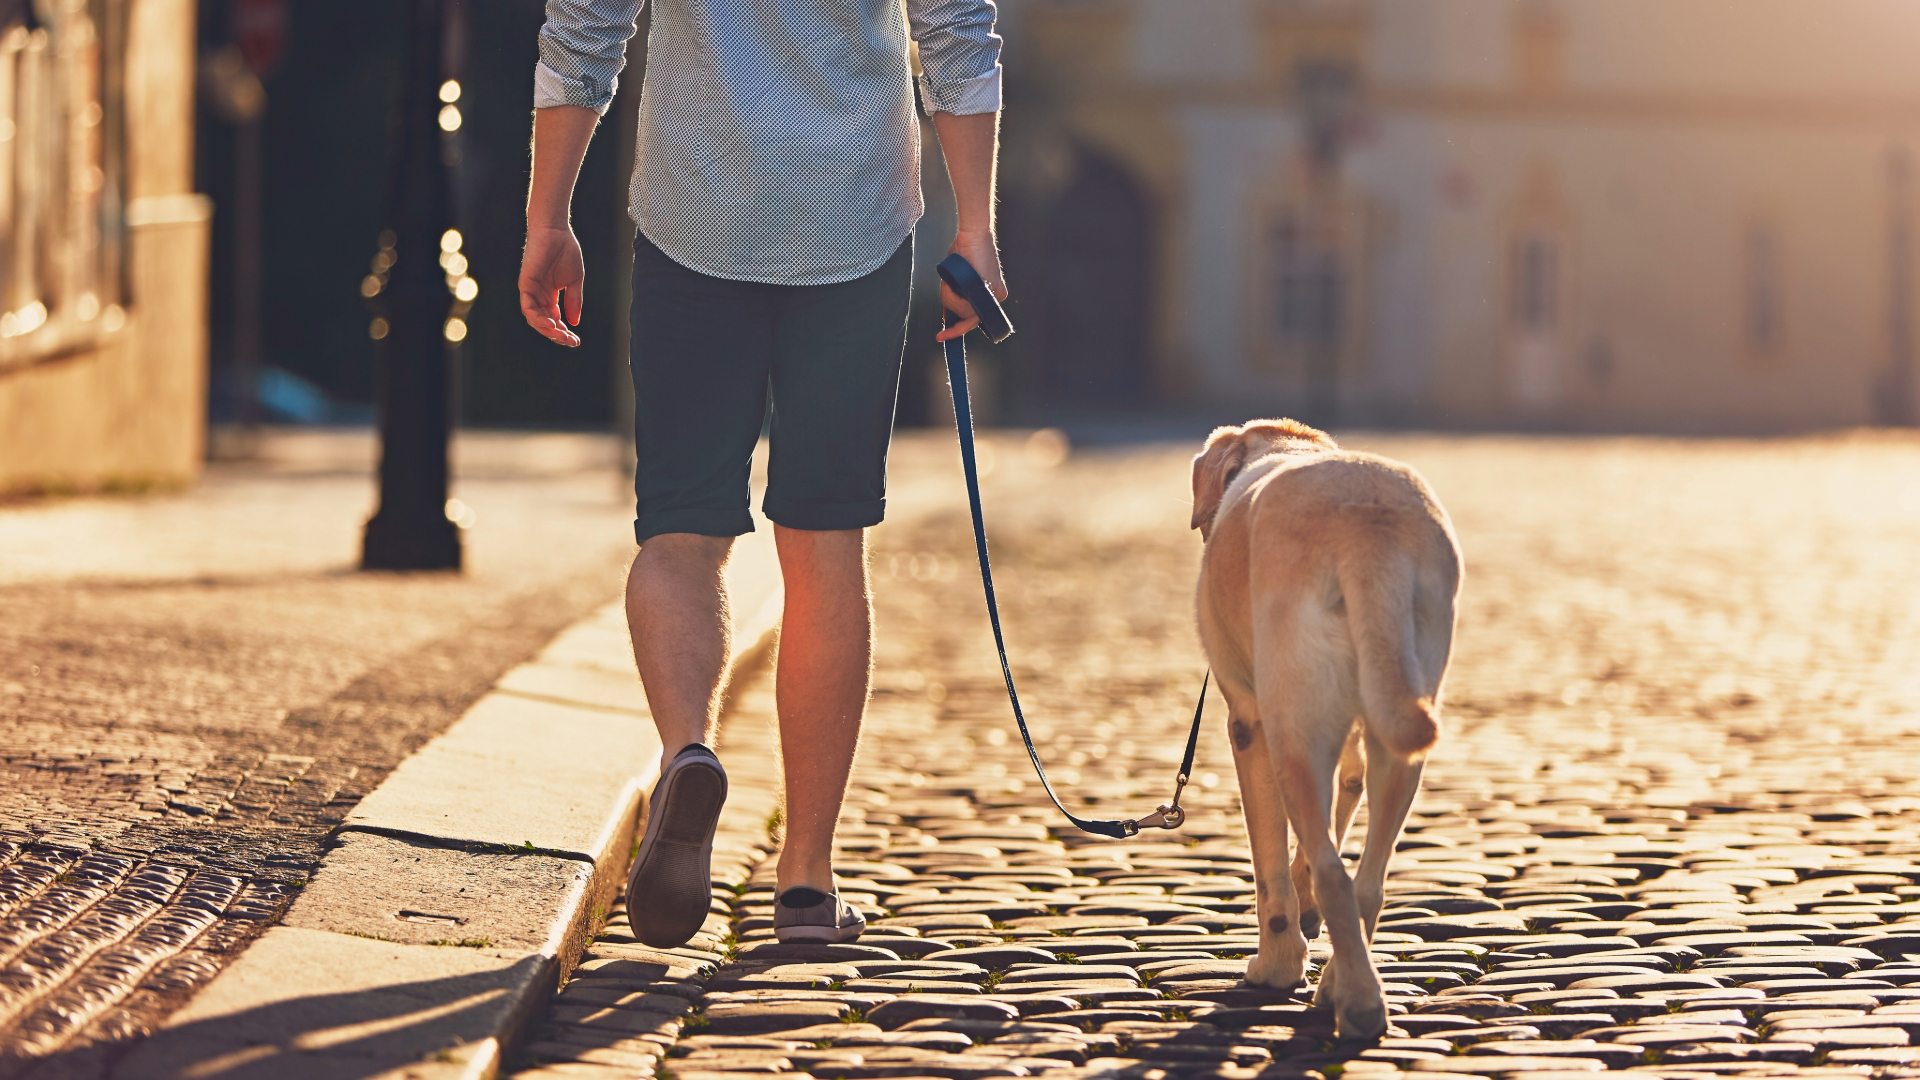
(971, 146)
(551, 269)
(560, 137)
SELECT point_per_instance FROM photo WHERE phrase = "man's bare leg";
(677, 613)
(821, 684)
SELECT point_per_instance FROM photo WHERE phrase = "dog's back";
(1346, 561)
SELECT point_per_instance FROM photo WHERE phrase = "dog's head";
(1228, 451)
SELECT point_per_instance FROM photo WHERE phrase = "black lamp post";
(414, 321)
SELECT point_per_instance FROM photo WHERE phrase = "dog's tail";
(1378, 584)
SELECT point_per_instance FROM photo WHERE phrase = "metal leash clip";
(1166, 816)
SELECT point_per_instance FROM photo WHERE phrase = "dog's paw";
(1360, 1020)
(1271, 971)
(1310, 924)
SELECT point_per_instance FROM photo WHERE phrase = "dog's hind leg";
(1282, 959)
(1352, 782)
(1393, 782)
(1307, 732)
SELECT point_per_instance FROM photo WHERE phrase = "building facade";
(103, 247)
(1680, 215)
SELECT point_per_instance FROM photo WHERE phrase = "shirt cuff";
(968, 97)
(550, 88)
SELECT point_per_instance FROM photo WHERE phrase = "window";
(1536, 284)
(61, 187)
(1539, 46)
(1326, 88)
(1761, 269)
(1308, 288)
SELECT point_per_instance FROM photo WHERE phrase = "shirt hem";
(834, 277)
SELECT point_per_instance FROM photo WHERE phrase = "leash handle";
(966, 283)
(964, 280)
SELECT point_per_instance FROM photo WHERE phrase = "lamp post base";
(415, 542)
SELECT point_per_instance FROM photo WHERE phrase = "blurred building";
(1688, 215)
(102, 246)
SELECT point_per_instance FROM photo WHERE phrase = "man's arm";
(971, 146)
(583, 49)
(552, 262)
(960, 87)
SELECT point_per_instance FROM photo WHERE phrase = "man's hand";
(551, 266)
(980, 250)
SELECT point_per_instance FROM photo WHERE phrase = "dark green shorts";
(716, 362)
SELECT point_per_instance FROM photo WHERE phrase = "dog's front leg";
(1282, 959)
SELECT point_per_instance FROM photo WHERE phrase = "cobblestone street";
(1671, 825)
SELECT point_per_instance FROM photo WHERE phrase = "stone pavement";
(196, 688)
(1671, 827)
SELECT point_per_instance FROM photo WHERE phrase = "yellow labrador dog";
(1326, 607)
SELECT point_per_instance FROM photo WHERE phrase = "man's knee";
(688, 549)
(822, 559)
(826, 537)
(822, 546)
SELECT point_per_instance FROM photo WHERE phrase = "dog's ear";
(1213, 469)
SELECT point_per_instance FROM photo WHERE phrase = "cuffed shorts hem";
(825, 517)
(698, 522)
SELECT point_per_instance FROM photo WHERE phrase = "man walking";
(776, 190)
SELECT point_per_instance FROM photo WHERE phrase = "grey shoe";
(670, 886)
(804, 914)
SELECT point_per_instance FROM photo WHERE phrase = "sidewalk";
(196, 688)
(458, 893)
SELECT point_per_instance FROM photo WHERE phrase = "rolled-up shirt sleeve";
(959, 55)
(583, 48)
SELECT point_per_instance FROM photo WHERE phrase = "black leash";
(964, 280)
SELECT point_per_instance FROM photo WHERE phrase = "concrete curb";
(466, 886)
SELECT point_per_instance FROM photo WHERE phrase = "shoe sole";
(671, 887)
(831, 935)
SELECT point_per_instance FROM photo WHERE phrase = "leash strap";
(961, 277)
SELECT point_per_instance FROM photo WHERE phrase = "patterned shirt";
(777, 140)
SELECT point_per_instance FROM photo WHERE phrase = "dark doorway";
(1094, 291)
